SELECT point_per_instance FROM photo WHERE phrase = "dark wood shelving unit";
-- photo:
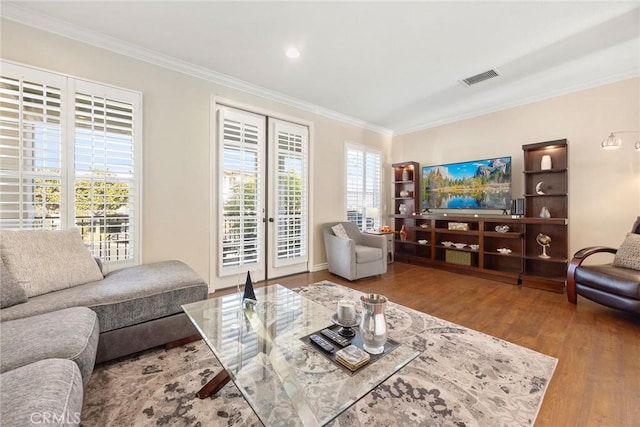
(406, 177)
(524, 264)
(484, 261)
(546, 273)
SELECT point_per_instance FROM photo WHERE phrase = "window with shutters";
(363, 185)
(69, 151)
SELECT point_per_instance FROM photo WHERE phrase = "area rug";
(461, 378)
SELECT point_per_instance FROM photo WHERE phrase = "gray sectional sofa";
(50, 341)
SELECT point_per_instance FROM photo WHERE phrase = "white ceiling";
(392, 66)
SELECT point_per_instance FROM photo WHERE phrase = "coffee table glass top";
(284, 380)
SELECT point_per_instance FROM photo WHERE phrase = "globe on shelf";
(544, 241)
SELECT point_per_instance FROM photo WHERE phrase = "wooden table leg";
(214, 385)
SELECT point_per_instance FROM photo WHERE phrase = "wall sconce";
(613, 142)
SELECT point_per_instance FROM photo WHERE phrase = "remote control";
(322, 343)
(335, 337)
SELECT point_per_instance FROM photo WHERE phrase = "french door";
(262, 196)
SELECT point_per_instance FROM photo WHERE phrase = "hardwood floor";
(597, 380)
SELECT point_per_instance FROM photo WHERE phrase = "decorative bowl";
(502, 228)
(447, 244)
(424, 225)
(459, 245)
(474, 247)
(404, 193)
(423, 242)
(504, 250)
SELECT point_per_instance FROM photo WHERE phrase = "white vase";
(545, 163)
(405, 174)
(544, 212)
(402, 209)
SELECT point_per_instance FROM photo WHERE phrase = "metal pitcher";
(373, 326)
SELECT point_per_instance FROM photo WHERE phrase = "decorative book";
(352, 357)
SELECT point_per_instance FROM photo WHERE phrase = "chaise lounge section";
(138, 307)
(54, 327)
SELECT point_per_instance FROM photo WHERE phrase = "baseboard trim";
(319, 267)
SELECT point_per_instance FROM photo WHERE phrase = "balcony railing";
(107, 237)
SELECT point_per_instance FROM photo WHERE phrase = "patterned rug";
(462, 378)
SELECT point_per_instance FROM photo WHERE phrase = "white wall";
(604, 186)
(176, 159)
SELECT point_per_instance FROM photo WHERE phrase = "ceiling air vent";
(481, 77)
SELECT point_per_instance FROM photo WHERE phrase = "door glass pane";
(241, 196)
(291, 199)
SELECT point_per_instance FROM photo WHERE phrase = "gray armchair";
(362, 255)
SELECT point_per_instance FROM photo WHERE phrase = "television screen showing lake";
(480, 184)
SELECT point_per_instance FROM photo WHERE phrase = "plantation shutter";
(363, 186)
(291, 203)
(30, 149)
(240, 195)
(69, 156)
(105, 187)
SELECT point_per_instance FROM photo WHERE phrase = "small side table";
(389, 235)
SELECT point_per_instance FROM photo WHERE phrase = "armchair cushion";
(614, 280)
(628, 255)
(339, 231)
(368, 254)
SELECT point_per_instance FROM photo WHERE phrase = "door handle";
(270, 219)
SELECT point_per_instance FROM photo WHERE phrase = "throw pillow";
(339, 231)
(628, 255)
(10, 292)
(46, 261)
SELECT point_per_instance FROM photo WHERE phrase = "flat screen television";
(478, 184)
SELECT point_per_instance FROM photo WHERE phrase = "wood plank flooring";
(597, 380)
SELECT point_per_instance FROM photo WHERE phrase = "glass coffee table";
(284, 379)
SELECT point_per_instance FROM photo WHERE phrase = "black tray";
(389, 346)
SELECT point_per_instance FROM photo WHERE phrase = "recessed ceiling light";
(293, 53)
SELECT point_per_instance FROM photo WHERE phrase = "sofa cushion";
(64, 334)
(44, 261)
(48, 392)
(11, 293)
(124, 297)
(628, 256)
(367, 254)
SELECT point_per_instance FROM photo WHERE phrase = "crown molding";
(16, 13)
(53, 25)
(624, 75)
